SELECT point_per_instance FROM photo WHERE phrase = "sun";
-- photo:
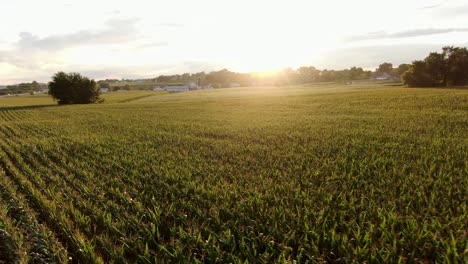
(272, 59)
(272, 52)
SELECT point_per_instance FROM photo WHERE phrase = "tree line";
(302, 75)
(222, 78)
(448, 68)
(24, 88)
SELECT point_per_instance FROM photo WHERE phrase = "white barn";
(193, 86)
(384, 77)
(177, 88)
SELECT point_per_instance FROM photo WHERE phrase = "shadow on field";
(394, 85)
(25, 107)
(443, 87)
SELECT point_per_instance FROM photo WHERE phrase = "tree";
(457, 65)
(385, 67)
(402, 68)
(439, 69)
(104, 84)
(72, 88)
(436, 67)
(418, 75)
(307, 74)
(222, 77)
(35, 86)
(356, 73)
(328, 76)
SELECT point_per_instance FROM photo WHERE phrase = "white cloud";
(368, 57)
(405, 34)
(116, 31)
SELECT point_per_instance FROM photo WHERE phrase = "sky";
(146, 38)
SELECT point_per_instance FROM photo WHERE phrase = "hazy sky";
(143, 38)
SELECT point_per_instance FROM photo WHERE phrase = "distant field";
(42, 99)
(319, 173)
(128, 96)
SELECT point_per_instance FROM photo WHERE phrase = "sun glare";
(269, 57)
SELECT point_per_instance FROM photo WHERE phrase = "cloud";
(429, 7)
(152, 45)
(116, 31)
(404, 34)
(425, 32)
(38, 57)
(97, 72)
(31, 51)
(369, 57)
(115, 12)
(27, 59)
(170, 24)
(453, 11)
(103, 71)
(110, 71)
(197, 66)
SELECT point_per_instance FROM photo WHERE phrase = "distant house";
(158, 89)
(193, 86)
(104, 90)
(384, 77)
(176, 88)
(232, 85)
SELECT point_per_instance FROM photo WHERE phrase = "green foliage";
(457, 65)
(72, 88)
(358, 73)
(224, 77)
(418, 75)
(385, 68)
(23, 88)
(402, 68)
(322, 173)
(439, 69)
(104, 85)
(288, 76)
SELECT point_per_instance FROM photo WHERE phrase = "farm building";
(193, 86)
(176, 88)
(104, 90)
(384, 77)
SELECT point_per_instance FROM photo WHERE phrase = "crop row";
(304, 178)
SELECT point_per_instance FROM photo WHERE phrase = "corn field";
(304, 174)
